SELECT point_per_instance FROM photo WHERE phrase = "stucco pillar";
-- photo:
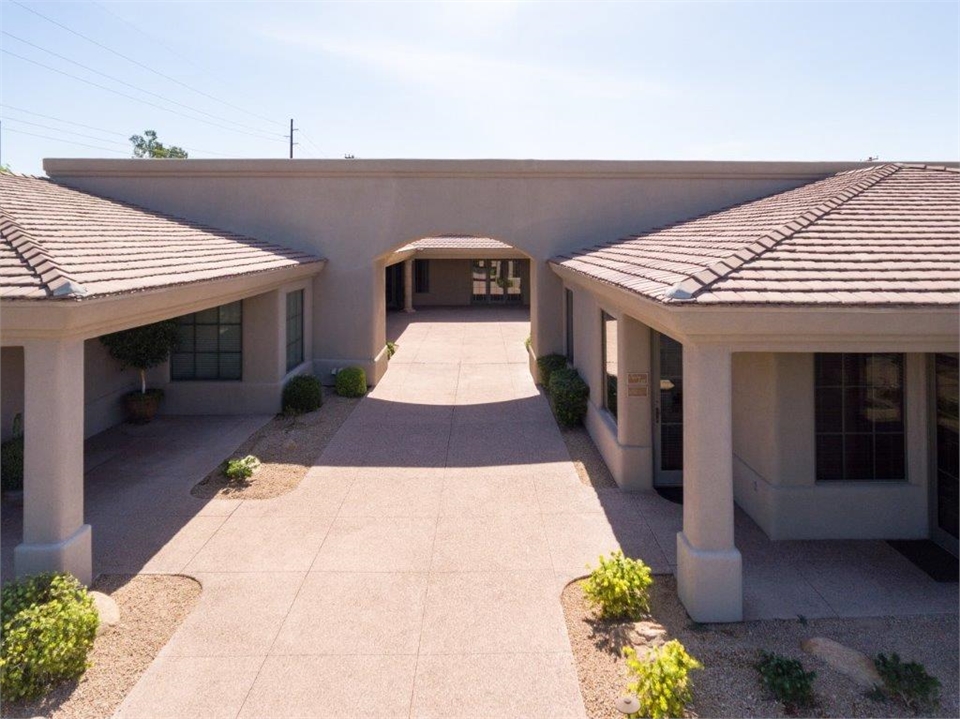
(634, 430)
(54, 535)
(408, 286)
(709, 567)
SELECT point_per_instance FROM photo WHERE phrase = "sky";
(545, 80)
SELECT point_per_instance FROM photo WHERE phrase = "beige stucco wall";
(775, 457)
(353, 211)
(449, 285)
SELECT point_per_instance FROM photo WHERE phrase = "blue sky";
(669, 80)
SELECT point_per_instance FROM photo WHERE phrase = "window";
(859, 416)
(294, 329)
(609, 359)
(210, 345)
(568, 317)
(421, 276)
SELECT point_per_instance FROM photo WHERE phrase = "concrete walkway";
(416, 570)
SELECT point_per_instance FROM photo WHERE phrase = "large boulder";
(849, 662)
(108, 610)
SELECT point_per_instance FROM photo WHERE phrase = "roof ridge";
(688, 288)
(57, 281)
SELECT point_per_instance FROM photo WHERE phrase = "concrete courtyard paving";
(416, 570)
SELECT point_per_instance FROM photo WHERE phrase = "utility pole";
(292, 143)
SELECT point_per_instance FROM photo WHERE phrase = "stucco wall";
(353, 211)
(450, 285)
(104, 385)
(775, 458)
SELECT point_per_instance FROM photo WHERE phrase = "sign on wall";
(638, 384)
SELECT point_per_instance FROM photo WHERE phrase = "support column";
(408, 286)
(709, 568)
(54, 535)
(634, 430)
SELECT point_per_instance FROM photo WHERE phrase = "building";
(793, 349)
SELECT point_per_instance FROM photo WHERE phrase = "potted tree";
(142, 348)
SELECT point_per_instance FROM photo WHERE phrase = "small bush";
(568, 397)
(662, 685)
(11, 464)
(547, 365)
(620, 587)
(527, 342)
(392, 348)
(351, 382)
(908, 682)
(243, 468)
(49, 624)
(302, 394)
(786, 680)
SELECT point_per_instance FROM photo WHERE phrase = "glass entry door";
(496, 282)
(946, 453)
(667, 411)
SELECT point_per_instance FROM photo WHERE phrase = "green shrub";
(619, 587)
(302, 394)
(786, 680)
(49, 624)
(908, 682)
(662, 683)
(351, 382)
(11, 464)
(242, 468)
(568, 397)
(547, 365)
(392, 348)
(527, 342)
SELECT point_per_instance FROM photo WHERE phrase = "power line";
(68, 142)
(91, 127)
(128, 96)
(58, 129)
(315, 145)
(131, 85)
(138, 63)
(60, 119)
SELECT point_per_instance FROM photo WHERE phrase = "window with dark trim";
(211, 345)
(294, 329)
(608, 339)
(859, 417)
(421, 276)
(568, 319)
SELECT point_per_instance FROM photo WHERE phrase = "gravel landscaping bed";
(287, 447)
(728, 684)
(591, 468)
(151, 608)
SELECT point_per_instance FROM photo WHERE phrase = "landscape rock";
(107, 609)
(849, 662)
(647, 635)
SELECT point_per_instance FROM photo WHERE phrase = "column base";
(73, 554)
(710, 582)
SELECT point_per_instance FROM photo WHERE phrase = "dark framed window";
(568, 319)
(211, 345)
(608, 339)
(294, 329)
(859, 417)
(421, 276)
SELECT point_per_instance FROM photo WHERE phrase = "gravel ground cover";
(728, 684)
(586, 458)
(287, 447)
(151, 608)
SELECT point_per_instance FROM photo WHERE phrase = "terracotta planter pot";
(141, 408)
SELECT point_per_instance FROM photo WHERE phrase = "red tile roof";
(456, 242)
(61, 243)
(885, 235)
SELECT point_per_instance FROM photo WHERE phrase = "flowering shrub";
(619, 586)
(662, 683)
